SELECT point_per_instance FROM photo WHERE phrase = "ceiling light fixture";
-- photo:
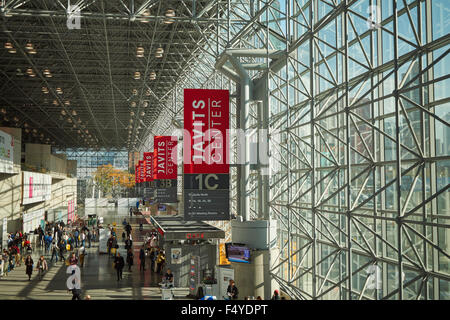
(8, 45)
(140, 52)
(170, 14)
(159, 52)
(146, 13)
(137, 75)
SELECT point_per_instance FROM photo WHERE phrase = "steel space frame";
(358, 176)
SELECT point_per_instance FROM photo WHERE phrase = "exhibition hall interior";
(225, 150)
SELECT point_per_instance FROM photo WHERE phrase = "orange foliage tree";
(112, 181)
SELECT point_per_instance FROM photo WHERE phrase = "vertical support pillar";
(398, 156)
(348, 160)
(244, 150)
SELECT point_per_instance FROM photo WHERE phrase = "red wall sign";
(165, 160)
(136, 174)
(148, 158)
(206, 118)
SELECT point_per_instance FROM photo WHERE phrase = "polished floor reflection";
(98, 277)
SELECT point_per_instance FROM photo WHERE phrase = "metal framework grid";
(94, 66)
(359, 134)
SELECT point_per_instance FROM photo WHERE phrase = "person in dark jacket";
(232, 290)
(276, 295)
(142, 258)
(29, 266)
(130, 257)
(119, 263)
(128, 243)
(62, 247)
(128, 229)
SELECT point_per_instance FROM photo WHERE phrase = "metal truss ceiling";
(94, 66)
(359, 134)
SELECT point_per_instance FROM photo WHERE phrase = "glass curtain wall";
(359, 139)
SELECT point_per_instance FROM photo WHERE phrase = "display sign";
(175, 255)
(6, 153)
(5, 233)
(194, 274)
(206, 154)
(165, 169)
(36, 187)
(32, 220)
(71, 210)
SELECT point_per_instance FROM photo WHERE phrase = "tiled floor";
(98, 277)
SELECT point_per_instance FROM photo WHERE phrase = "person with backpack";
(41, 267)
(119, 263)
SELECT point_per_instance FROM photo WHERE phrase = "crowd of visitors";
(55, 240)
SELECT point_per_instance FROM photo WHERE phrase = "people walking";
(128, 229)
(89, 237)
(119, 263)
(73, 260)
(152, 259)
(160, 261)
(142, 258)
(83, 238)
(29, 266)
(128, 243)
(41, 267)
(62, 247)
(232, 290)
(75, 235)
(82, 255)
(54, 250)
(130, 257)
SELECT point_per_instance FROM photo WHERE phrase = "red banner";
(165, 157)
(136, 174)
(141, 170)
(148, 158)
(206, 119)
